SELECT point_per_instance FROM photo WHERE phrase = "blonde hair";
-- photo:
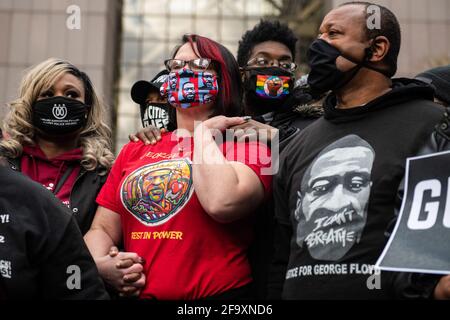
(95, 138)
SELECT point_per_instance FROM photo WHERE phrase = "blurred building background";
(122, 41)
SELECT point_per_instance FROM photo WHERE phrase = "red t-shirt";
(188, 255)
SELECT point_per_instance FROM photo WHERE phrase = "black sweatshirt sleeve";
(282, 237)
(43, 252)
(70, 272)
(67, 270)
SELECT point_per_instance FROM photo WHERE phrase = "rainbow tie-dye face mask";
(186, 88)
(268, 88)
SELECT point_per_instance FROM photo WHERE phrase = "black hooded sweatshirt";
(42, 252)
(335, 195)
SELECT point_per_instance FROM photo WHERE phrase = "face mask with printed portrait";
(186, 88)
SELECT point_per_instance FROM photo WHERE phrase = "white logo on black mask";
(59, 115)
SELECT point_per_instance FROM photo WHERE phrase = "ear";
(380, 48)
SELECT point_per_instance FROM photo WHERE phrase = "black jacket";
(42, 252)
(291, 122)
(82, 197)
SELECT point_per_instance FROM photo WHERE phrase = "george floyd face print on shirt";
(333, 200)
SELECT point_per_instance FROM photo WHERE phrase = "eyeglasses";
(264, 62)
(200, 64)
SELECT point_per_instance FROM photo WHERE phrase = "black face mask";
(266, 89)
(59, 115)
(155, 114)
(324, 75)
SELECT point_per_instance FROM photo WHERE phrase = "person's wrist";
(103, 266)
(201, 131)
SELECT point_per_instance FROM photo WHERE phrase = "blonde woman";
(57, 137)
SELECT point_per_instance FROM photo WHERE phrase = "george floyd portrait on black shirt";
(332, 203)
(208, 81)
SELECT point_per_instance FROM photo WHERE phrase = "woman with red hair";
(184, 207)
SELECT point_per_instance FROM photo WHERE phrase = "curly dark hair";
(264, 31)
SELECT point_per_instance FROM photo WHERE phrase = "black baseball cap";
(141, 89)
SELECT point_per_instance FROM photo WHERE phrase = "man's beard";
(329, 235)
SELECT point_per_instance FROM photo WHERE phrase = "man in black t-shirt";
(335, 193)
